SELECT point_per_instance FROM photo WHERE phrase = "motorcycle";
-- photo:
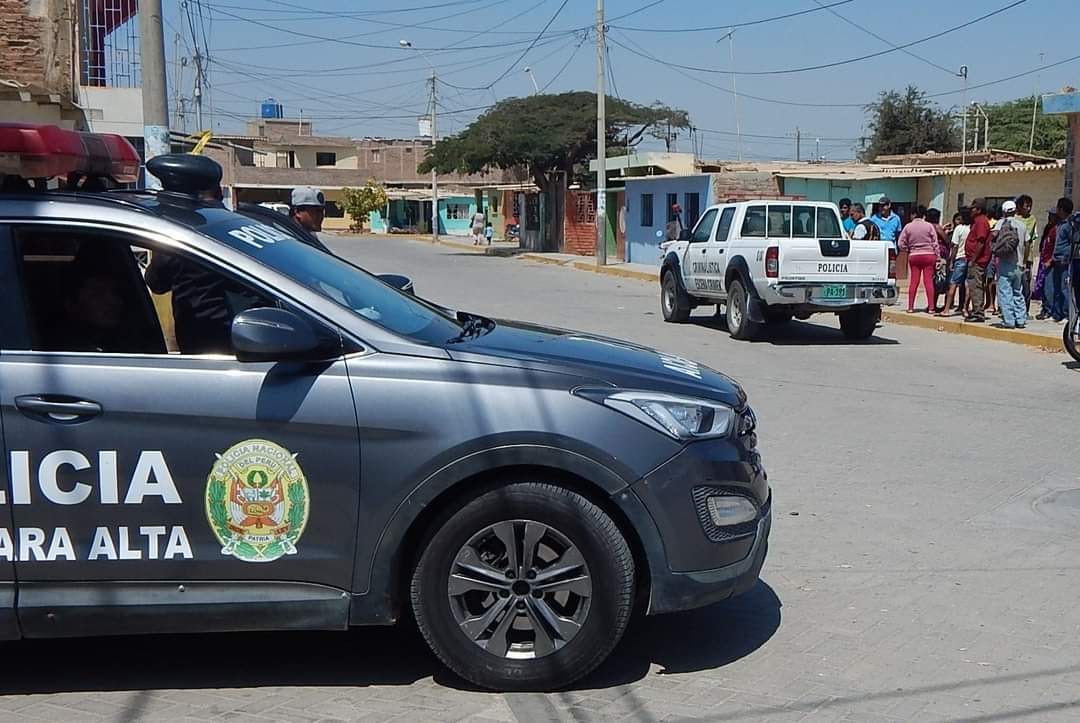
(1070, 335)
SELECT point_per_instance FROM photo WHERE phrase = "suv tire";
(472, 613)
(737, 312)
(859, 322)
(674, 303)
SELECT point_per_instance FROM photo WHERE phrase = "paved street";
(923, 564)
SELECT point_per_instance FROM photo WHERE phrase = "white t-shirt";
(859, 233)
(959, 238)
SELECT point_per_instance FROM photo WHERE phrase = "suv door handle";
(59, 409)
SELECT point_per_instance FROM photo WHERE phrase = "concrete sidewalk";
(1044, 335)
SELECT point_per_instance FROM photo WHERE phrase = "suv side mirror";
(269, 334)
(685, 235)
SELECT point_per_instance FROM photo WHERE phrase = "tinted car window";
(704, 228)
(803, 225)
(827, 224)
(723, 229)
(754, 222)
(780, 221)
(337, 280)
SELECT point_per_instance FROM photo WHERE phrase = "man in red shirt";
(977, 253)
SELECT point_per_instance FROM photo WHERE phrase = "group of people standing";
(984, 259)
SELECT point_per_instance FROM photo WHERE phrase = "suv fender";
(377, 598)
(738, 268)
(672, 263)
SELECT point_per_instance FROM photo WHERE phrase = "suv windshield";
(336, 279)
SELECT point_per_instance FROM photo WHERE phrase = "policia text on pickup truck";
(324, 450)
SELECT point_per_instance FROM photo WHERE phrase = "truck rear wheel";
(859, 322)
(673, 301)
(527, 587)
(737, 312)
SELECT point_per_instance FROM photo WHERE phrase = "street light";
(528, 72)
(407, 45)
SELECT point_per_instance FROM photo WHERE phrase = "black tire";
(608, 565)
(778, 315)
(674, 304)
(859, 322)
(737, 313)
(1070, 336)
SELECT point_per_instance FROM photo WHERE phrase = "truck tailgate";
(834, 260)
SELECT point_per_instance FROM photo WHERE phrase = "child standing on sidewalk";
(489, 232)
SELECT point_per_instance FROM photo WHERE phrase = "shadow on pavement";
(1074, 365)
(683, 642)
(798, 333)
(696, 640)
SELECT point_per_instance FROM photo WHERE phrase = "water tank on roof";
(270, 109)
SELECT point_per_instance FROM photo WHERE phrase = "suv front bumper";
(703, 563)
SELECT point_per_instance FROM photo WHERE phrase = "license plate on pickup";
(834, 291)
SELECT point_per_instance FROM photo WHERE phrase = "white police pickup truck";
(764, 262)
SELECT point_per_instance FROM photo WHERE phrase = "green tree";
(360, 202)
(909, 123)
(545, 134)
(1010, 128)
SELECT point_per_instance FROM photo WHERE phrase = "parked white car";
(763, 262)
(282, 208)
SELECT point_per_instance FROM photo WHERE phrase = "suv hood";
(597, 359)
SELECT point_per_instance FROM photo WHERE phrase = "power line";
(837, 63)
(584, 37)
(885, 40)
(523, 53)
(648, 56)
(356, 43)
(732, 25)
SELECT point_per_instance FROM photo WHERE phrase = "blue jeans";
(1010, 293)
(1055, 302)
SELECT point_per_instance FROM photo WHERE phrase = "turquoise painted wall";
(865, 192)
(456, 226)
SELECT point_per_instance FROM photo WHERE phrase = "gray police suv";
(344, 453)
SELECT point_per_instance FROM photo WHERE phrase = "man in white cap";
(1006, 244)
(308, 207)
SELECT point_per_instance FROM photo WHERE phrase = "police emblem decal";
(257, 501)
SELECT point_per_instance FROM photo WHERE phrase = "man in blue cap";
(308, 207)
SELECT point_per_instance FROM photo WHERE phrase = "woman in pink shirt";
(920, 239)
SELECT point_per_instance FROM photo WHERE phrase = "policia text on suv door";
(283, 441)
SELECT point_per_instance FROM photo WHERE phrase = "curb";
(614, 271)
(982, 331)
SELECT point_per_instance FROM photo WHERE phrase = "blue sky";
(342, 64)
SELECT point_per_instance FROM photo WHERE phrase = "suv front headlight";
(679, 417)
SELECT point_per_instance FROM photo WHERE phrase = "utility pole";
(601, 141)
(963, 124)
(798, 142)
(817, 149)
(734, 91)
(528, 72)
(197, 93)
(434, 175)
(155, 101)
(1035, 104)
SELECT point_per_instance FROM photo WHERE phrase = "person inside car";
(308, 207)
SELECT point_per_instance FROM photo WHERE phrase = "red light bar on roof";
(45, 151)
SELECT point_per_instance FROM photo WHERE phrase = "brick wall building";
(37, 42)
